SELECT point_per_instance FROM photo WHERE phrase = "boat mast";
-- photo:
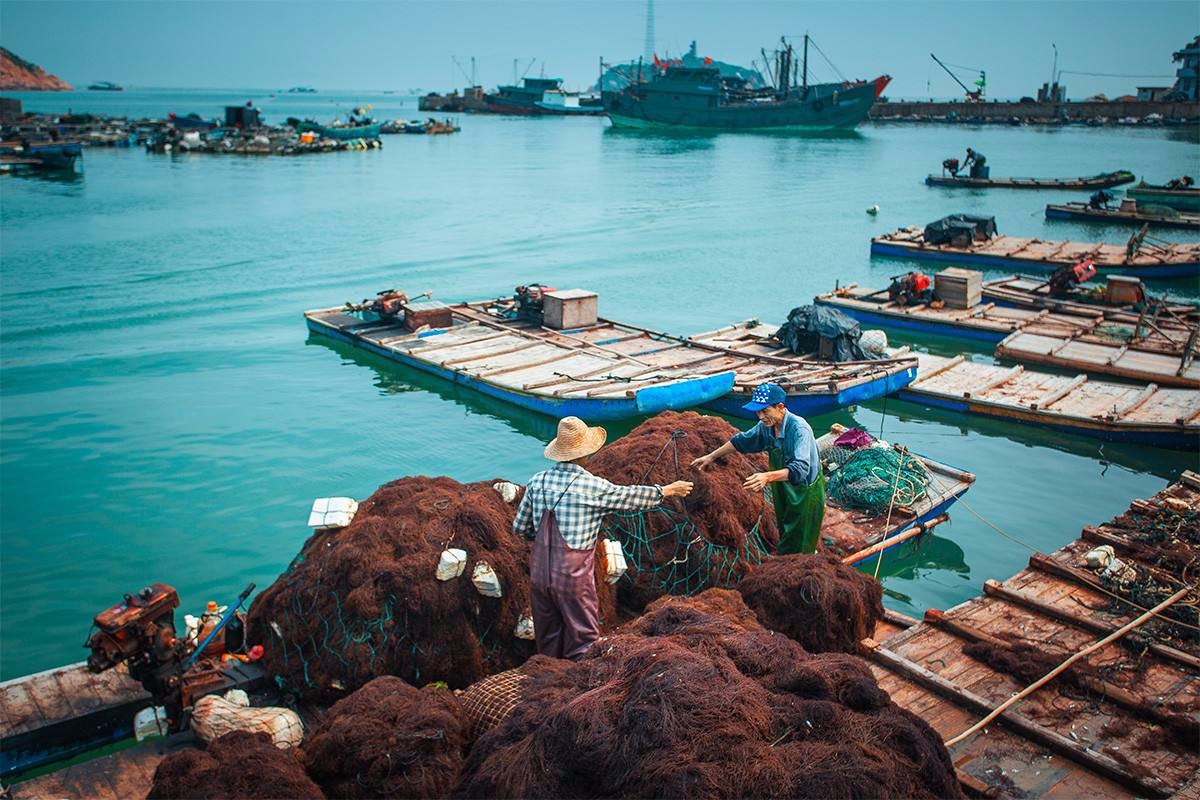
(805, 78)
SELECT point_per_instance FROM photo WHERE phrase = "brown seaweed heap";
(389, 739)
(238, 766)
(364, 601)
(688, 704)
(817, 600)
(708, 539)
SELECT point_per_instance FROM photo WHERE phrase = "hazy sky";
(342, 44)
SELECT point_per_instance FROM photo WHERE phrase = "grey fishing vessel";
(664, 96)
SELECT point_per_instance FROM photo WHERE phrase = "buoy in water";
(873, 210)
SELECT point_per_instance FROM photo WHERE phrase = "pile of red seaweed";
(817, 600)
(238, 766)
(706, 540)
(684, 703)
(364, 601)
(389, 739)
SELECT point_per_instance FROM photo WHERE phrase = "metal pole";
(805, 78)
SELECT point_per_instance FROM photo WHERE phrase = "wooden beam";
(1142, 396)
(999, 381)
(949, 365)
(1135, 642)
(567, 353)
(1110, 768)
(1050, 398)
(450, 362)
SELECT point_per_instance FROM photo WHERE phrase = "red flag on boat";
(707, 60)
(657, 63)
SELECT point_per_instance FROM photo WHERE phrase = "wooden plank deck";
(1170, 414)
(1107, 744)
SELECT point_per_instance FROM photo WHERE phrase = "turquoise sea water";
(165, 417)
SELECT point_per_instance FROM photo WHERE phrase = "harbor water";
(164, 415)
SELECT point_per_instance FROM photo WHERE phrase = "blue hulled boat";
(597, 368)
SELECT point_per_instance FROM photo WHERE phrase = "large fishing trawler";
(666, 96)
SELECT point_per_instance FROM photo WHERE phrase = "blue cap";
(767, 394)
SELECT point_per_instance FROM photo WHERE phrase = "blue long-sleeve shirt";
(797, 443)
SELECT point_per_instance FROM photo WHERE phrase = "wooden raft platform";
(1111, 743)
(1140, 361)
(1169, 260)
(1140, 414)
(1162, 351)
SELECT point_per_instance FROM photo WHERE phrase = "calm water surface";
(165, 416)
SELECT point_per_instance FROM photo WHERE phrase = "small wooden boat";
(1118, 412)
(612, 370)
(1102, 181)
(1140, 257)
(1125, 303)
(1134, 216)
(528, 369)
(861, 537)
(1178, 199)
(43, 155)
(1082, 339)
(1141, 360)
(339, 133)
(813, 386)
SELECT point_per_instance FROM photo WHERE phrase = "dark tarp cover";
(807, 325)
(959, 228)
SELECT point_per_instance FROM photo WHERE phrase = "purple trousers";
(566, 607)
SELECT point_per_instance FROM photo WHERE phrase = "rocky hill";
(17, 74)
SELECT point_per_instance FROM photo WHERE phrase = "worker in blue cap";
(795, 477)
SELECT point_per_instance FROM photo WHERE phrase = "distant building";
(10, 108)
(1150, 93)
(1187, 76)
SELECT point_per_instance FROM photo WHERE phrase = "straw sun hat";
(575, 440)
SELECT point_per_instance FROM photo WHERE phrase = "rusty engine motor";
(140, 631)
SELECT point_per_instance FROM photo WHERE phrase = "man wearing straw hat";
(797, 484)
(562, 511)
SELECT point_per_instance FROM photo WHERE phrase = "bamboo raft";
(1073, 338)
(1017, 291)
(611, 369)
(1104, 180)
(1113, 743)
(1139, 414)
(1138, 257)
(1086, 213)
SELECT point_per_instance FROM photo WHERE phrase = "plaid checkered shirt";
(582, 508)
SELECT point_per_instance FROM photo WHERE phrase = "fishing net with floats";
(237, 766)
(686, 545)
(687, 704)
(817, 600)
(390, 739)
(364, 601)
(874, 479)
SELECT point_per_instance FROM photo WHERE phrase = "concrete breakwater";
(1082, 112)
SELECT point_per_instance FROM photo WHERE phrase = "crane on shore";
(973, 95)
